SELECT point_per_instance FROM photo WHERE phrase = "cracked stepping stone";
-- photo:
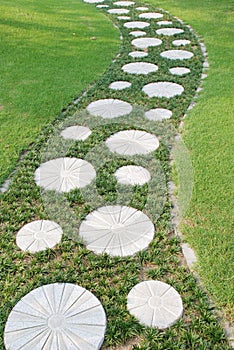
(76, 132)
(163, 89)
(39, 235)
(179, 70)
(142, 8)
(137, 33)
(132, 142)
(158, 114)
(94, 1)
(138, 54)
(144, 43)
(132, 175)
(124, 3)
(155, 304)
(181, 42)
(123, 18)
(120, 85)
(164, 23)
(169, 31)
(140, 68)
(151, 15)
(118, 11)
(177, 54)
(102, 6)
(59, 316)
(136, 24)
(64, 174)
(117, 231)
(109, 108)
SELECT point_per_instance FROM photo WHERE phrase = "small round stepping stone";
(137, 33)
(76, 132)
(179, 70)
(117, 231)
(164, 23)
(132, 175)
(151, 15)
(61, 316)
(64, 174)
(136, 24)
(144, 43)
(94, 1)
(38, 235)
(142, 8)
(124, 18)
(140, 68)
(132, 142)
(119, 85)
(176, 54)
(158, 114)
(155, 304)
(118, 11)
(102, 6)
(109, 108)
(138, 54)
(163, 89)
(124, 3)
(169, 31)
(181, 42)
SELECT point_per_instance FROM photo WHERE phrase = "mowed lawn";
(50, 51)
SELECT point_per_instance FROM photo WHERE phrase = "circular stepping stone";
(109, 108)
(118, 11)
(136, 24)
(163, 89)
(169, 31)
(139, 68)
(76, 132)
(64, 174)
(137, 33)
(124, 3)
(142, 8)
(132, 142)
(164, 23)
(123, 18)
(138, 54)
(177, 54)
(94, 1)
(179, 70)
(158, 114)
(38, 235)
(144, 43)
(117, 231)
(102, 6)
(155, 304)
(119, 85)
(181, 42)
(151, 15)
(132, 175)
(59, 316)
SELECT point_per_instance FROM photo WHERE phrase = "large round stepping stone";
(164, 23)
(137, 33)
(59, 316)
(142, 8)
(38, 235)
(179, 70)
(118, 11)
(124, 3)
(109, 108)
(181, 42)
(155, 304)
(169, 31)
(132, 175)
(176, 54)
(117, 231)
(158, 114)
(94, 1)
(120, 85)
(76, 132)
(163, 89)
(144, 43)
(132, 142)
(140, 68)
(64, 174)
(138, 54)
(151, 15)
(136, 24)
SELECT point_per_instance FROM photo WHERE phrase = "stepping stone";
(181, 42)
(155, 304)
(163, 89)
(151, 15)
(123, 18)
(132, 175)
(124, 3)
(94, 1)
(140, 68)
(176, 54)
(117, 230)
(76, 132)
(38, 235)
(179, 70)
(164, 23)
(118, 11)
(102, 6)
(169, 31)
(58, 316)
(158, 114)
(142, 8)
(138, 54)
(144, 43)
(137, 33)
(136, 24)
(64, 174)
(120, 85)
(132, 142)
(109, 108)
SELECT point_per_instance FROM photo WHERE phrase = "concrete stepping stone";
(39, 235)
(138, 33)
(117, 230)
(151, 15)
(163, 89)
(136, 24)
(102, 6)
(164, 23)
(118, 11)
(94, 1)
(124, 3)
(142, 8)
(64, 174)
(58, 316)
(179, 70)
(76, 132)
(169, 31)
(140, 68)
(144, 43)
(158, 114)
(109, 108)
(123, 18)
(132, 142)
(138, 54)
(181, 42)
(120, 85)
(177, 54)
(155, 304)
(132, 175)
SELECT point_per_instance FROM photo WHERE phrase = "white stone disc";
(120, 85)
(138, 54)
(94, 1)
(169, 31)
(137, 33)
(181, 42)
(140, 68)
(64, 174)
(102, 6)
(58, 316)
(151, 15)
(136, 24)
(118, 11)
(179, 70)
(163, 89)
(144, 43)
(142, 8)
(76, 132)
(132, 142)
(164, 23)
(132, 175)
(124, 3)
(155, 304)
(117, 230)
(38, 235)
(158, 114)
(177, 54)
(124, 18)
(109, 108)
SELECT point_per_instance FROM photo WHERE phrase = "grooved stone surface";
(151, 15)
(117, 230)
(38, 235)
(169, 31)
(124, 3)
(164, 23)
(155, 304)
(181, 42)
(137, 33)
(118, 11)
(132, 175)
(179, 70)
(109, 108)
(177, 54)
(140, 68)
(64, 174)
(136, 24)
(158, 114)
(138, 54)
(59, 316)
(144, 43)
(163, 89)
(119, 85)
(76, 132)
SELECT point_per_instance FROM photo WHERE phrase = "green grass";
(47, 58)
